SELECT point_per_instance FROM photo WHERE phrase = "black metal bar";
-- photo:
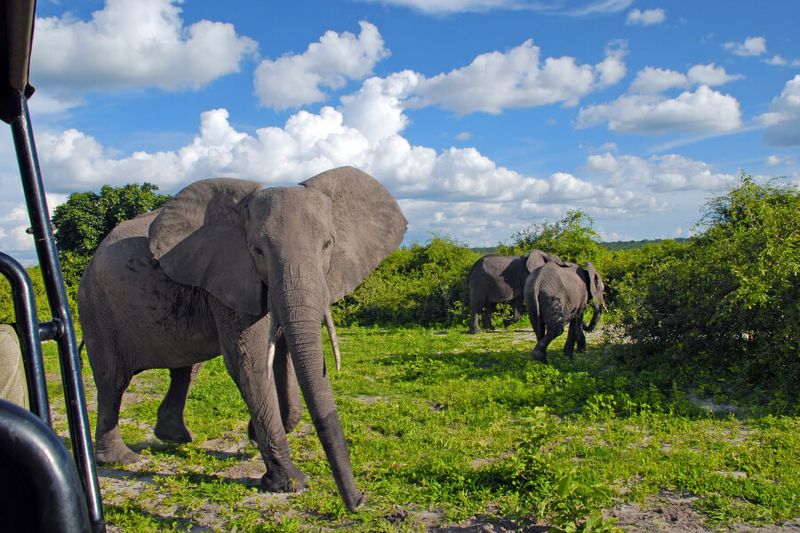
(45, 243)
(27, 325)
(38, 477)
(51, 330)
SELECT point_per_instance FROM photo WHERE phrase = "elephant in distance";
(497, 279)
(249, 272)
(556, 295)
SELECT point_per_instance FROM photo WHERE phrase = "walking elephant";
(249, 272)
(497, 279)
(556, 295)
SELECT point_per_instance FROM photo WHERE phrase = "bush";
(729, 301)
(423, 285)
(572, 238)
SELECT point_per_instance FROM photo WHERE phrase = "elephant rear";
(531, 298)
(128, 309)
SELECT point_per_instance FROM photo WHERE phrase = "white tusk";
(334, 339)
(271, 343)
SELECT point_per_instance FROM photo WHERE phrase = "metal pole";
(57, 297)
(27, 325)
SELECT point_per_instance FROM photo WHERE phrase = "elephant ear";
(199, 240)
(590, 277)
(368, 222)
(537, 258)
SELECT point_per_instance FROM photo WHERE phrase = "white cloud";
(518, 78)
(782, 122)
(295, 80)
(448, 7)
(774, 160)
(134, 43)
(701, 111)
(648, 17)
(710, 75)
(463, 136)
(751, 47)
(660, 173)
(779, 61)
(377, 109)
(652, 80)
(439, 188)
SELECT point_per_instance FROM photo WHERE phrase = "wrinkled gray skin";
(217, 270)
(497, 279)
(557, 295)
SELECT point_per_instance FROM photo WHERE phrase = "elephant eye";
(258, 250)
(327, 244)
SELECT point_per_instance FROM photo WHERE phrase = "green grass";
(444, 427)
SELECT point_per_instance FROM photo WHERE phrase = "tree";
(572, 238)
(86, 218)
(729, 301)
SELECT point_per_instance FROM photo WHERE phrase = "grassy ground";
(448, 430)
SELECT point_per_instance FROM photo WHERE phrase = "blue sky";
(481, 116)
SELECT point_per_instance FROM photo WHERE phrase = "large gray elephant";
(497, 279)
(556, 295)
(224, 267)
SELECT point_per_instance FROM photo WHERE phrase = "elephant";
(556, 295)
(501, 278)
(230, 267)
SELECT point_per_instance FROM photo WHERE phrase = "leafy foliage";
(729, 300)
(572, 238)
(416, 285)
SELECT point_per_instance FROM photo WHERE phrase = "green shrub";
(572, 238)
(417, 285)
(729, 301)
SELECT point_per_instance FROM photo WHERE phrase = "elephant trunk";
(301, 312)
(597, 310)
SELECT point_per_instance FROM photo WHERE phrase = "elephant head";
(289, 252)
(595, 287)
(537, 258)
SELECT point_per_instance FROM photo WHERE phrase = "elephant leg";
(474, 312)
(516, 306)
(244, 343)
(109, 447)
(287, 389)
(111, 379)
(487, 316)
(569, 345)
(171, 426)
(551, 332)
(580, 335)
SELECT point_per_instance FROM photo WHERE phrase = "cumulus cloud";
(652, 80)
(295, 80)
(701, 111)
(448, 7)
(782, 122)
(437, 186)
(750, 47)
(659, 173)
(648, 17)
(134, 43)
(518, 78)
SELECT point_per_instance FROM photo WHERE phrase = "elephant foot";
(288, 479)
(507, 322)
(172, 432)
(539, 356)
(114, 453)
